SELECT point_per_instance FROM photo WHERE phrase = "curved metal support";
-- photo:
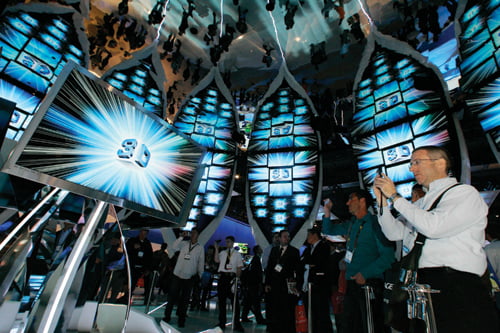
(56, 302)
(27, 218)
(369, 295)
(309, 306)
(154, 279)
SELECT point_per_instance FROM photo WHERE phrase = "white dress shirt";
(454, 229)
(235, 261)
(191, 259)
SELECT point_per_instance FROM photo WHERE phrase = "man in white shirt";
(230, 265)
(191, 261)
(452, 259)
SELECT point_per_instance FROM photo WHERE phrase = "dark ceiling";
(320, 41)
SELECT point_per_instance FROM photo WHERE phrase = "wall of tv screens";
(283, 161)
(35, 48)
(138, 83)
(209, 118)
(392, 117)
(480, 63)
(93, 141)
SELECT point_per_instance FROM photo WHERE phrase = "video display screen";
(283, 163)
(138, 84)
(89, 139)
(35, 48)
(480, 53)
(401, 117)
(208, 118)
(485, 103)
(479, 45)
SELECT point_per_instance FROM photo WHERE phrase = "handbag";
(400, 275)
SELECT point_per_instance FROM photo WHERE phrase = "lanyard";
(192, 247)
(228, 256)
(357, 235)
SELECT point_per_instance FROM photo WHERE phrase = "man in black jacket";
(140, 253)
(282, 277)
(318, 271)
(251, 279)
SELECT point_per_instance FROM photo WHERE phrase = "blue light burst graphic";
(93, 138)
(479, 52)
(209, 119)
(283, 162)
(395, 117)
(34, 51)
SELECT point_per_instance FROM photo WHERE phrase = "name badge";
(278, 268)
(229, 267)
(187, 257)
(348, 256)
(140, 254)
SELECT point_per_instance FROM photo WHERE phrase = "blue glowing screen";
(485, 103)
(35, 48)
(480, 53)
(479, 45)
(283, 163)
(138, 83)
(91, 141)
(398, 117)
(209, 119)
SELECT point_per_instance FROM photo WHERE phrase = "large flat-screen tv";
(90, 139)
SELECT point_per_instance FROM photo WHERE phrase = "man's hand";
(359, 278)
(327, 207)
(267, 288)
(385, 185)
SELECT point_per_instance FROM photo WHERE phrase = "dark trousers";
(195, 297)
(320, 309)
(281, 313)
(355, 312)
(252, 302)
(463, 304)
(206, 288)
(223, 293)
(136, 274)
(179, 293)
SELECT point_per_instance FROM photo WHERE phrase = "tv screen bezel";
(11, 166)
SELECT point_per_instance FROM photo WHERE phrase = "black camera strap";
(411, 262)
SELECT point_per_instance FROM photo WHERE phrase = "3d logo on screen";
(388, 102)
(398, 153)
(284, 129)
(281, 174)
(94, 142)
(35, 65)
(133, 151)
(204, 129)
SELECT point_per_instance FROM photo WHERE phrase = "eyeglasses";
(418, 161)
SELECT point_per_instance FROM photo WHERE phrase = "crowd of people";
(344, 276)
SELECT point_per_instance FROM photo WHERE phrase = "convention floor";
(197, 321)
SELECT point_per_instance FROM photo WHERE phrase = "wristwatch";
(393, 197)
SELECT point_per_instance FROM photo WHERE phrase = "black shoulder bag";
(400, 275)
